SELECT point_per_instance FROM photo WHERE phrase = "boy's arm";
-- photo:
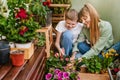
(57, 42)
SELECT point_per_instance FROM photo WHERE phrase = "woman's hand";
(80, 59)
(73, 56)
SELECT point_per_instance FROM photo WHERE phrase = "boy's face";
(70, 24)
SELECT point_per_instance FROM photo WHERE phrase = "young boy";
(67, 32)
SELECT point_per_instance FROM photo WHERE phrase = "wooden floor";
(33, 69)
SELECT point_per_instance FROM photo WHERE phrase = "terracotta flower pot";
(17, 58)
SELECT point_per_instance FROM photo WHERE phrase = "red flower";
(116, 70)
(21, 14)
(21, 33)
(46, 3)
(23, 30)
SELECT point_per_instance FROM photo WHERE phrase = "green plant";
(41, 39)
(19, 26)
(56, 62)
(93, 64)
(108, 58)
(58, 10)
(39, 11)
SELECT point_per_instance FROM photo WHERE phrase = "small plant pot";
(17, 57)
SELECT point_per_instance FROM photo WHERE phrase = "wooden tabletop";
(32, 69)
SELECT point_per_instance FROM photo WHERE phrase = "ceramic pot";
(24, 45)
(4, 52)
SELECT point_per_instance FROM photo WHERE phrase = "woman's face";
(70, 24)
(86, 20)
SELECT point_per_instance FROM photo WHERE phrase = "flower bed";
(96, 67)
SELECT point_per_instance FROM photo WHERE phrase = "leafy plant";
(97, 64)
(39, 11)
(108, 58)
(93, 64)
(41, 39)
(58, 10)
(56, 62)
(19, 26)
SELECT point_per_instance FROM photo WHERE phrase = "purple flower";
(57, 71)
(48, 76)
(65, 74)
(60, 74)
(60, 79)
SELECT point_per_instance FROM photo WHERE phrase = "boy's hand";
(62, 51)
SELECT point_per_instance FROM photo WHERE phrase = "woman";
(96, 34)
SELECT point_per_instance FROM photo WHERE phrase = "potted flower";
(97, 67)
(19, 27)
(97, 64)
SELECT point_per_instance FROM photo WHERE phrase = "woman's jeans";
(117, 47)
(66, 42)
(84, 47)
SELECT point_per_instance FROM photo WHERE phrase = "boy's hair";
(71, 14)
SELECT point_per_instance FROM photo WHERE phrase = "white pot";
(12, 44)
(24, 45)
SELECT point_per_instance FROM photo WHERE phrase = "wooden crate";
(49, 37)
(28, 52)
(90, 76)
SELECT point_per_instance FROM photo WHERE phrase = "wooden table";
(32, 69)
(49, 38)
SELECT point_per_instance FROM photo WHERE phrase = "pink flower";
(57, 71)
(60, 75)
(78, 78)
(65, 74)
(60, 79)
(61, 58)
(66, 59)
(48, 76)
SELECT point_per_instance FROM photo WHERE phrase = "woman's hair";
(71, 14)
(94, 29)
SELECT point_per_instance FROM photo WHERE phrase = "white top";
(76, 30)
